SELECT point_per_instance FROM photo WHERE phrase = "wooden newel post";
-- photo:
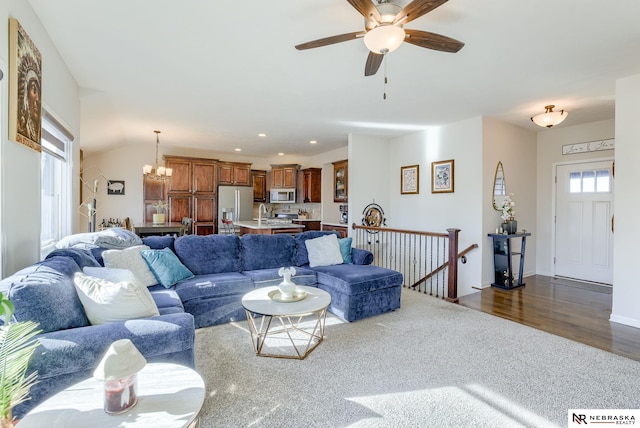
(452, 292)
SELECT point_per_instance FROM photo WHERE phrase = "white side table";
(287, 329)
(169, 395)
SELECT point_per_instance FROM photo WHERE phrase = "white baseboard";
(633, 322)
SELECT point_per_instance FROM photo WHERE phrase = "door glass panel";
(602, 180)
(588, 181)
(575, 182)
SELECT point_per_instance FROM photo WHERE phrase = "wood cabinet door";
(204, 215)
(181, 179)
(204, 177)
(153, 191)
(242, 175)
(204, 209)
(225, 174)
(312, 185)
(179, 206)
(259, 180)
(290, 178)
(277, 177)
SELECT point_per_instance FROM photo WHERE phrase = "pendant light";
(159, 172)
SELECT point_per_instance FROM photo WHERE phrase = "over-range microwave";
(283, 196)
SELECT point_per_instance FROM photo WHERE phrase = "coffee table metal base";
(302, 332)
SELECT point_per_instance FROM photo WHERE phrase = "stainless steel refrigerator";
(235, 203)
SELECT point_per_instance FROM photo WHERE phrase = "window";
(55, 183)
(589, 181)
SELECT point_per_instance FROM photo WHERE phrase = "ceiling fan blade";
(330, 40)
(373, 63)
(433, 41)
(416, 9)
(366, 9)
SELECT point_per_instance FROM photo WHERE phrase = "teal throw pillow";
(166, 266)
(345, 249)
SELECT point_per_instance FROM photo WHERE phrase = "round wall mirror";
(499, 187)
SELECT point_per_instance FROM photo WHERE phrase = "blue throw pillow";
(166, 266)
(345, 249)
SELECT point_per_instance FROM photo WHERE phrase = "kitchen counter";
(268, 229)
(336, 224)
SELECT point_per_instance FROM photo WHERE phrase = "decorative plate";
(297, 295)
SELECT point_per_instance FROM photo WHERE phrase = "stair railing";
(427, 260)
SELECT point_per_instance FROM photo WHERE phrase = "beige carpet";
(428, 364)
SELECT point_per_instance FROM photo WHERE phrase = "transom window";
(595, 181)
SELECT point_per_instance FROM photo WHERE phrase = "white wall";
(20, 171)
(369, 176)
(626, 293)
(516, 148)
(549, 153)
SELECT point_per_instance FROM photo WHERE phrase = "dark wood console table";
(502, 263)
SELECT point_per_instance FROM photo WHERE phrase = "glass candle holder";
(120, 394)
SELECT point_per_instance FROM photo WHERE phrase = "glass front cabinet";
(340, 180)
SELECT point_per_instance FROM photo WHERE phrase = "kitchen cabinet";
(312, 185)
(340, 181)
(191, 192)
(234, 173)
(308, 224)
(152, 192)
(259, 182)
(284, 176)
(341, 229)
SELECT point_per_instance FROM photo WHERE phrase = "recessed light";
(313, 142)
(238, 149)
(280, 154)
(262, 134)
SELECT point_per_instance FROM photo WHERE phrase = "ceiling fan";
(384, 30)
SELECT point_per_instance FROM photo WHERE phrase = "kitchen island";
(267, 227)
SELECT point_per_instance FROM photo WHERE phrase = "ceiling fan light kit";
(384, 39)
(549, 118)
(383, 30)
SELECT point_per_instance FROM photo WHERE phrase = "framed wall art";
(442, 176)
(115, 187)
(409, 179)
(25, 88)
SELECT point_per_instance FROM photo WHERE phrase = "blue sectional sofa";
(224, 268)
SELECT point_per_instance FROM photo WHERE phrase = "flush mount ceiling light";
(159, 172)
(549, 118)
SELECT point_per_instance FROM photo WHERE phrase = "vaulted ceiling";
(213, 75)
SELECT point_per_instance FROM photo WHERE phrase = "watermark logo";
(599, 417)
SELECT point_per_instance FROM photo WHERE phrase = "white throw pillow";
(110, 274)
(130, 258)
(105, 301)
(324, 251)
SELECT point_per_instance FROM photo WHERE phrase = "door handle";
(612, 224)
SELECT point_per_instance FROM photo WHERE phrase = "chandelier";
(159, 172)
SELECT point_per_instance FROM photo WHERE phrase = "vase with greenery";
(17, 344)
(159, 216)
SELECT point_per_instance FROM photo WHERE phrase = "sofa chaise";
(222, 268)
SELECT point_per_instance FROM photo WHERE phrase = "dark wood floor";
(574, 310)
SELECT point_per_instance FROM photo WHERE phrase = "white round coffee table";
(169, 395)
(286, 329)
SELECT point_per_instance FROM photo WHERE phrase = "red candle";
(120, 395)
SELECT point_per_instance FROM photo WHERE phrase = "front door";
(584, 221)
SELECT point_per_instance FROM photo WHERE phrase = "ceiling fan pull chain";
(384, 91)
